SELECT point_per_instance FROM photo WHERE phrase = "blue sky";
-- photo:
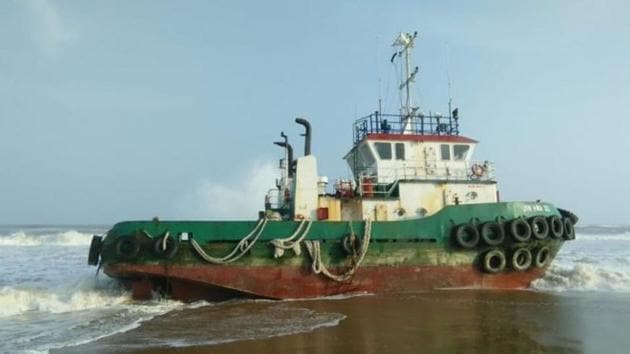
(131, 109)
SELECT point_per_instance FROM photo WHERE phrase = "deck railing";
(429, 124)
(384, 184)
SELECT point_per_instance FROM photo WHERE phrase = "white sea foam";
(71, 314)
(583, 277)
(329, 297)
(65, 238)
(81, 295)
(142, 312)
(596, 261)
(273, 321)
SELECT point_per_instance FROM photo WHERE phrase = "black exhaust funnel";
(289, 155)
(306, 135)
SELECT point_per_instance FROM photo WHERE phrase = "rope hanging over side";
(282, 244)
(239, 250)
(164, 239)
(318, 267)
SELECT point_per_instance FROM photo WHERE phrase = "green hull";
(396, 248)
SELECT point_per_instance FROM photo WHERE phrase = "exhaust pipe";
(306, 135)
(289, 148)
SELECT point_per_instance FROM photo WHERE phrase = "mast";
(407, 111)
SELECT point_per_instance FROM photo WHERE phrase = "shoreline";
(443, 321)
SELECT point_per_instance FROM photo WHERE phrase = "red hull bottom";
(216, 282)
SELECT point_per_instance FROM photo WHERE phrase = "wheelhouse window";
(400, 151)
(384, 150)
(445, 151)
(366, 154)
(460, 152)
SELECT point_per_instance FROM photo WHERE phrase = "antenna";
(406, 42)
(453, 114)
(448, 78)
(378, 72)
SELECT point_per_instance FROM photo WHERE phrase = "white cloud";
(49, 28)
(240, 198)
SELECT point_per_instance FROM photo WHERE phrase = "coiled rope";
(318, 266)
(239, 250)
(282, 244)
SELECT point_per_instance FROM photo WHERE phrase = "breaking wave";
(584, 277)
(598, 260)
(65, 238)
(72, 313)
(82, 296)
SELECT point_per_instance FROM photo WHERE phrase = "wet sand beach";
(453, 321)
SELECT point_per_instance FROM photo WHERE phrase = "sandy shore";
(464, 321)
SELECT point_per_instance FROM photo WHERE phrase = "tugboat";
(419, 214)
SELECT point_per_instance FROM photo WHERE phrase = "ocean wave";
(139, 311)
(83, 295)
(65, 238)
(88, 309)
(584, 277)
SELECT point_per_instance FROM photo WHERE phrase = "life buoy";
(521, 259)
(492, 233)
(569, 230)
(95, 250)
(466, 236)
(477, 170)
(556, 226)
(127, 248)
(165, 246)
(494, 261)
(520, 230)
(539, 226)
(542, 256)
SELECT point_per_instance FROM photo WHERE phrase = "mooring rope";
(282, 244)
(239, 250)
(318, 267)
(163, 243)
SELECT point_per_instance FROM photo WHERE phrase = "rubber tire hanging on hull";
(171, 247)
(567, 214)
(521, 259)
(540, 227)
(466, 236)
(127, 248)
(542, 256)
(520, 230)
(351, 245)
(492, 233)
(493, 261)
(556, 227)
(95, 250)
(569, 230)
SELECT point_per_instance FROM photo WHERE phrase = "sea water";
(50, 298)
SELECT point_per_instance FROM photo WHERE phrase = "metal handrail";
(378, 185)
(422, 124)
